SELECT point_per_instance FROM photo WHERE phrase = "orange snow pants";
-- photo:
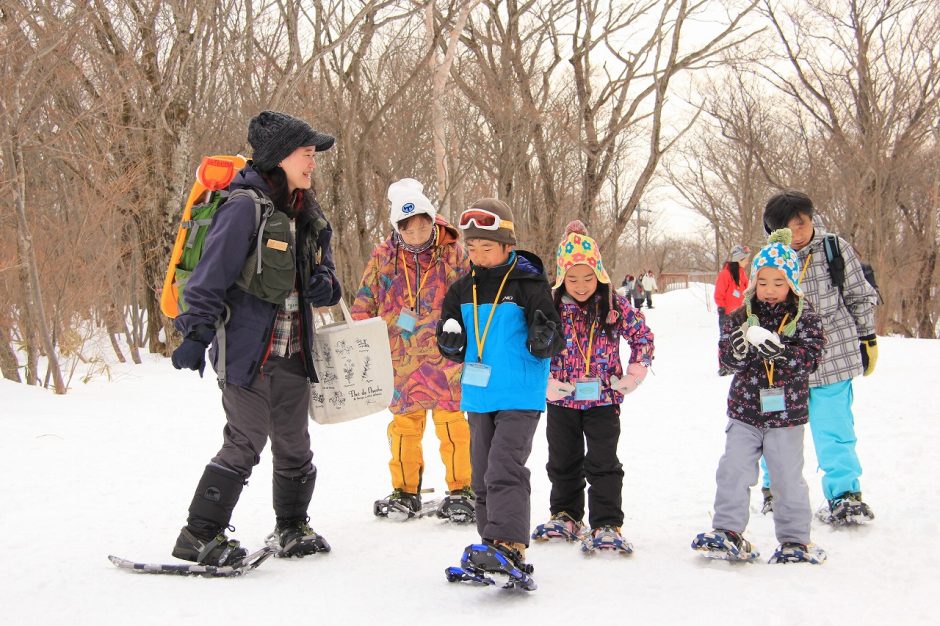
(404, 438)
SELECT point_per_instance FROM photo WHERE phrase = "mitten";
(558, 390)
(319, 290)
(636, 373)
(191, 354)
(541, 333)
(450, 342)
(869, 348)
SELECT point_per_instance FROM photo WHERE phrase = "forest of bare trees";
(566, 109)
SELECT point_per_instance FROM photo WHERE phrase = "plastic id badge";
(292, 302)
(476, 374)
(772, 400)
(406, 320)
(587, 389)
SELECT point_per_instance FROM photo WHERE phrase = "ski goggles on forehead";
(483, 219)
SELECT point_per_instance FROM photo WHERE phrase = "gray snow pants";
(500, 443)
(274, 405)
(737, 473)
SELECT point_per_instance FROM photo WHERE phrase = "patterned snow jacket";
(518, 378)
(728, 294)
(424, 379)
(568, 365)
(845, 317)
(803, 352)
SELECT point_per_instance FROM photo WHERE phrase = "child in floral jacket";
(587, 384)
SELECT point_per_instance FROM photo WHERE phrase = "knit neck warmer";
(432, 240)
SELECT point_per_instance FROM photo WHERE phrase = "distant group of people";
(640, 288)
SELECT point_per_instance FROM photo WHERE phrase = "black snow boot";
(292, 535)
(203, 538)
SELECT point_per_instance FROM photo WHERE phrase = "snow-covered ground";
(110, 469)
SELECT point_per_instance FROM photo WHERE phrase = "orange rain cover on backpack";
(214, 174)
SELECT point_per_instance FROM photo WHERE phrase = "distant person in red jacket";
(729, 288)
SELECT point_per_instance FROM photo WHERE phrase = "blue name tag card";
(476, 374)
(772, 400)
(587, 389)
(406, 320)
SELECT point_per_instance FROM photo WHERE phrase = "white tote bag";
(354, 364)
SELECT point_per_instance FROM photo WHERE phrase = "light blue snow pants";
(833, 427)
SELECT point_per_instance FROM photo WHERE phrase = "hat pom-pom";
(575, 226)
(781, 235)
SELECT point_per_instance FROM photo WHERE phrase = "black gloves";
(541, 334)
(191, 354)
(770, 349)
(450, 343)
(319, 291)
(738, 343)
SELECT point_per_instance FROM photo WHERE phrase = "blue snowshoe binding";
(480, 560)
(726, 545)
(798, 553)
(606, 538)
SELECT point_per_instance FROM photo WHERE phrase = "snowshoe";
(296, 539)
(458, 507)
(768, 506)
(560, 526)
(401, 505)
(216, 551)
(245, 565)
(502, 558)
(726, 545)
(798, 553)
(606, 538)
(846, 510)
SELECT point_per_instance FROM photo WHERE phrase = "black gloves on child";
(319, 291)
(541, 334)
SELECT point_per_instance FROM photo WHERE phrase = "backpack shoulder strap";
(264, 207)
(834, 258)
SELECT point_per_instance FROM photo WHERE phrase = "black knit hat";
(274, 136)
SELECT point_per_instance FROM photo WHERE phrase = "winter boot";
(847, 509)
(768, 506)
(292, 535)
(203, 539)
(458, 506)
(791, 552)
(725, 544)
(498, 557)
(560, 526)
(606, 538)
(399, 505)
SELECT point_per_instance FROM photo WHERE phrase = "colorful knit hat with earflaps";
(779, 255)
(577, 248)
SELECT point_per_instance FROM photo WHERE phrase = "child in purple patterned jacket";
(586, 387)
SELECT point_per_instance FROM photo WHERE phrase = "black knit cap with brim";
(502, 235)
(274, 136)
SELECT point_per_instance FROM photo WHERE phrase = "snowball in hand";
(451, 326)
(756, 335)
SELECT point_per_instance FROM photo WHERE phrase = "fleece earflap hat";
(407, 199)
(779, 255)
(490, 219)
(738, 253)
(274, 136)
(577, 248)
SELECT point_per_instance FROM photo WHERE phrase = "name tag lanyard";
(415, 301)
(770, 368)
(481, 339)
(590, 347)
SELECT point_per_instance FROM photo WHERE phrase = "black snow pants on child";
(569, 466)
